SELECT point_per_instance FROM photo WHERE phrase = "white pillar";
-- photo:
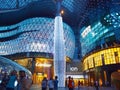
(59, 52)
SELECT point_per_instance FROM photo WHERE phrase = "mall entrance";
(40, 68)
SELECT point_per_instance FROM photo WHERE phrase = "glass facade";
(33, 35)
(103, 57)
(8, 4)
(100, 34)
(90, 36)
(113, 20)
(13, 4)
(72, 5)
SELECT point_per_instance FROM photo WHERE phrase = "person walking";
(79, 85)
(73, 83)
(96, 85)
(56, 83)
(51, 84)
(24, 83)
(70, 83)
(4, 82)
(11, 83)
(44, 84)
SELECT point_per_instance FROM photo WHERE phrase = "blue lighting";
(34, 35)
(68, 4)
(13, 4)
(100, 32)
(59, 52)
(97, 32)
(113, 19)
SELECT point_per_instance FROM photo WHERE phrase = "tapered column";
(59, 52)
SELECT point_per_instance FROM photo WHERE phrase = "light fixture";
(62, 12)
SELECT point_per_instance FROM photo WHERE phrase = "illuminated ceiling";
(77, 13)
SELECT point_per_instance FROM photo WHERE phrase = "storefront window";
(104, 57)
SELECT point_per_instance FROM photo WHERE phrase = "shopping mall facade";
(27, 37)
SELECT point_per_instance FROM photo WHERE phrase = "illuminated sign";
(43, 65)
(73, 68)
(75, 76)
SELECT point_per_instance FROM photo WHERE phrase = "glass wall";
(13, 4)
(112, 19)
(100, 34)
(90, 35)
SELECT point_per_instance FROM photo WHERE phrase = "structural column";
(33, 65)
(59, 50)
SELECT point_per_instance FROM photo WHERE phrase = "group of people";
(15, 81)
(52, 84)
(71, 84)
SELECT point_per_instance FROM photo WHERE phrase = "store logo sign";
(73, 68)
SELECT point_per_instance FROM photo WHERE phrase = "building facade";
(100, 44)
(31, 44)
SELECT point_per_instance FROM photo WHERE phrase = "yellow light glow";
(43, 65)
(110, 56)
(62, 12)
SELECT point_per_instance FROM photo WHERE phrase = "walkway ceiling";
(77, 13)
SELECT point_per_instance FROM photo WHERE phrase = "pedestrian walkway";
(37, 87)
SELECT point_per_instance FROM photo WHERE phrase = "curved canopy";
(9, 65)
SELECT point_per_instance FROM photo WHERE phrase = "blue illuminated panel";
(73, 5)
(13, 4)
(113, 19)
(7, 4)
(93, 37)
(69, 4)
(34, 35)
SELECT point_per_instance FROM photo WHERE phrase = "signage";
(73, 68)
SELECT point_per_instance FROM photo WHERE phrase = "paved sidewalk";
(37, 87)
